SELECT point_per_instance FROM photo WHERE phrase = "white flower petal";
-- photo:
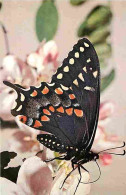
(8, 188)
(35, 177)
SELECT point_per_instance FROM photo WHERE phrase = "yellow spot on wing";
(60, 76)
(66, 69)
(81, 49)
(86, 45)
(85, 69)
(77, 55)
(88, 60)
(19, 108)
(75, 82)
(89, 88)
(22, 97)
(71, 61)
(95, 74)
(64, 87)
(81, 76)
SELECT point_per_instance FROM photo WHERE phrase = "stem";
(6, 39)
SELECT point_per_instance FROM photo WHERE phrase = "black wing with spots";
(52, 109)
(67, 108)
(81, 71)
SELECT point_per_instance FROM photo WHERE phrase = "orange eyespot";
(78, 112)
(45, 90)
(23, 119)
(44, 118)
(45, 111)
(69, 111)
(71, 96)
(51, 108)
(34, 93)
(60, 109)
(37, 124)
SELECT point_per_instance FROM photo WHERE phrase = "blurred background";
(36, 36)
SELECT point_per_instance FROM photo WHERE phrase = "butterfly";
(67, 108)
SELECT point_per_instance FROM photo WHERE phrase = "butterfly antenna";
(115, 148)
(98, 176)
(118, 154)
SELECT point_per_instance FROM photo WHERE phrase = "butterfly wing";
(51, 108)
(68, 106)
(81, 71)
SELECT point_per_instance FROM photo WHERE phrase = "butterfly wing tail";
(16, 87)
(18, 106)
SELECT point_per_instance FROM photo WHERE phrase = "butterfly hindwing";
(53, 109)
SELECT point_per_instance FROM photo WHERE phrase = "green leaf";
(46, 20)
(100, 34)
(106, 81)
(77, 2)
(99, 16)
(103, 50)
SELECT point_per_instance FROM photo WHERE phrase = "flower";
(35, 177)
(102, 139)
(31, 72)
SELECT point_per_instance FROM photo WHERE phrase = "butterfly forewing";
(83, 76)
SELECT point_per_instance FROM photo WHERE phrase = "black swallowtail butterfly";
(67, 107)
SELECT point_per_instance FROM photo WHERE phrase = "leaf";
(46, 20)
(100, 34)
(106, 81)
(77, 2)
(103, 50)
(99, 16)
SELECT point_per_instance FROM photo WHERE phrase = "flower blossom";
(102, 140)
(38, 179)
(39, 66)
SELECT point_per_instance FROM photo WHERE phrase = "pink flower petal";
(7, 187)
(11, 65)
(6, 103)
(106, 159)
(106, 110)
(35, 177)
(22, 141)
(49, 51)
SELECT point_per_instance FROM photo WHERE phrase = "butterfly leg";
(79, 179)
(84, 168)
(56, 158)
(67, 177)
